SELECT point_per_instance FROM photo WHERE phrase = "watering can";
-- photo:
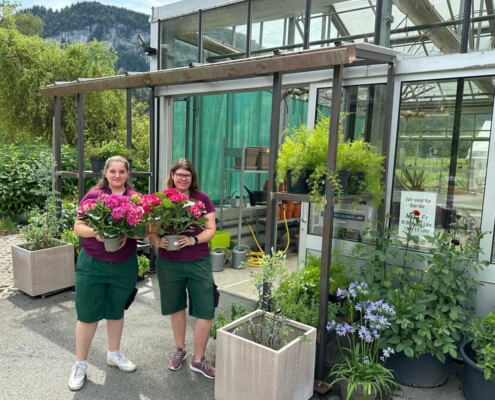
(256, 196)
(239, 255)
(218, 257)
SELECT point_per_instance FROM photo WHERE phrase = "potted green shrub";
(44, 263)
(265, 341)
(303, 155)
(433, 294)
(99, 152)
(478, 352)
(364, 167)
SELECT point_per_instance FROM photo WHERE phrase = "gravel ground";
(6, 278)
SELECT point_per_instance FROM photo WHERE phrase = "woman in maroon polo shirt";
(104, 280)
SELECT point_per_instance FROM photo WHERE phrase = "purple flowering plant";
(361, 367)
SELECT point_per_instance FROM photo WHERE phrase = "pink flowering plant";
(112, 215)
(362, 359)
(172, 212)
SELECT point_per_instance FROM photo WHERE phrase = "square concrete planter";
(45, 271)
(246, 370)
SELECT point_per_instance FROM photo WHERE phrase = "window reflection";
(442, 151)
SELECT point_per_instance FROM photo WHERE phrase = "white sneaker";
(120, 361)
(77, 377)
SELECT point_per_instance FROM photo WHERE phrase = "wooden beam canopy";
(305, 60)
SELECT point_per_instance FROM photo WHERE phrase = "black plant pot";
(300, 185)
(426, 371)
(97, 164)
(474, 385)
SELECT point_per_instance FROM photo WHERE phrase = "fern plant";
(304, 153)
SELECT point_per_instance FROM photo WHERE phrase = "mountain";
(83, 22)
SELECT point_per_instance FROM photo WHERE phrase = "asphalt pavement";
(37, 350)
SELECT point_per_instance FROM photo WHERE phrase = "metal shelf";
(239, 152)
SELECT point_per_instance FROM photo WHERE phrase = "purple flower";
(362, 337)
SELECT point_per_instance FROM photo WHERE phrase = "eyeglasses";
(182, 176)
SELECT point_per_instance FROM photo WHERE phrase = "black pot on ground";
(474, 385)
(426, 371)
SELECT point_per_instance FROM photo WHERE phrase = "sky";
(142, 6)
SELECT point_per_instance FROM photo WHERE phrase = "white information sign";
(425, 203)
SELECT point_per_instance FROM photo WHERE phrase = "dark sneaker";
(120, 361)
(203, 367)
(77, 376)
(175, 362)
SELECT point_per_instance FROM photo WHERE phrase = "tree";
(29, 63)
(7, 10)
(29, 24)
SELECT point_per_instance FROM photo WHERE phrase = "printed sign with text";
(425, 203)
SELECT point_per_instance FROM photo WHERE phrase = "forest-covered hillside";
(86, 21)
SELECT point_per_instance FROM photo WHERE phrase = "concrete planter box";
(246, 370)
(45, 271)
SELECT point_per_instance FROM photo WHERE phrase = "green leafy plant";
(433, 292)
(365, 166)
(42, 230)
(69, 236)
(304, 153)
(24, 174)
(359, 345)
(143, 265)
(108, 148)
(298, 295)
(412, 179)
(7, 224)
(480, 332)
(271, 327)
(236, 311)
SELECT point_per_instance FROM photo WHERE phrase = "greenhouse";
(413, 79)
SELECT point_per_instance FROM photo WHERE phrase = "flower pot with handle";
(474, 384)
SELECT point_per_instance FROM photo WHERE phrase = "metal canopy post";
(128, 118)
(271, 215)
(57, 146)
(327, 236)
(153, 183)
(80, 146)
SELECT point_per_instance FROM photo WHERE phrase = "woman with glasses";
(187, 273)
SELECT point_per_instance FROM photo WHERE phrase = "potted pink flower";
(173, 212)
(112, 215)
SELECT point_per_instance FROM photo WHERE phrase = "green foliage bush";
(25, 180)
(24, 171)
(299, 294)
